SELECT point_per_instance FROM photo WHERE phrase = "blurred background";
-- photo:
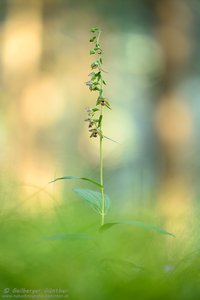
(151, 54)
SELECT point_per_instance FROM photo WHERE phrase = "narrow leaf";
(110, 139)
(107, 105)
(95, 109)
(138, 224)
(76, 177)
(100, 120)
(98, 101)
(94, 29)
(94, 199)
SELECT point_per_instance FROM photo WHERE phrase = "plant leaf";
(94, 199)
(77, 177)
(99, 121)
(94, 29)
(110, 139)
(138, 224)
(107, 105)
(95, 109)
(92, 51)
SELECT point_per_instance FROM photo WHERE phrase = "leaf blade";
(137, 224)
(110, 139)
(94, 29)
(77, 177)
(99, 121)
(94, 199)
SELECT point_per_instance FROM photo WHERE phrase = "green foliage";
(99, 121)
(92, 51)
(95, 114)
(76, 177)
(94, 199)
(96, 83)
(93, 39)
(94, 29)
(137, 224)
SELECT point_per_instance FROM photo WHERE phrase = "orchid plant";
(98, 200)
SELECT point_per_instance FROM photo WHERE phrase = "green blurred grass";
(62, 248)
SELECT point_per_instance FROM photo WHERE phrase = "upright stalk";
(95, 114)
(101, 172)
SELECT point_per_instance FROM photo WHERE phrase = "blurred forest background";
(151, 54)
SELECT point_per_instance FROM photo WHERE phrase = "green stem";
(101, 173)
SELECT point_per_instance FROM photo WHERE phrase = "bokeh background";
(151, 55)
